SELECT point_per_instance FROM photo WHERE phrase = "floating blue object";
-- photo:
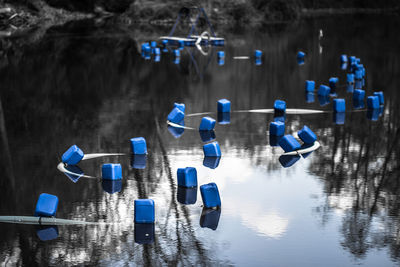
(47, 233)
(177, 53)
(176, 115)
(324, 90)
(212, 150)
(46, 205)
(277, 128)
(339, 117)
(164, 43)
(358, 60)
(358, 74)
(343, 58)
(111, 186)
(278, 117)
(352, 59)
(111, 171)
(187, 177)
(138, 145)
(310, 97)
(343, 66)
(176, 131)
(358, 103)
(207, 136)
(138, 161)
(332, 83)
(221, 54)
(144, 233)
(153, 44)
(157, 58)
(181, 43)
(187, 195)
(211, 162)
(373, 114)
(304, 146)
(380, 96)
(274, 140)
(289, 143)
(144, 211)
(280, 106)
(73, 155)
(350, 88)
(300, 55)
(323, 100)
(176, 60)
(207, 124)
(157, 51)
(358, 94)
(350, 77)
(78, 173)
(224, 117)
(180, 106)
(310, 86)
(210, 195)
(210, 218)
(306, 135)
(358, 84)
(373, 102)
(224, 105)
(288, 161)
(339, 105)
(257, 53)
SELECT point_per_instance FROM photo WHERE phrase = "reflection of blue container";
(210, 195)
(358, 104)
(78, 173)
(358, 94)
(358, 84)
(381, 109)
(111, 186)
(224, 117)
(207, 136)
(187, 195)
(144, 233)
(157, 58)
(144, 211)
(310, 86)
(209, 218)
(157, 51)
(300, 61)
(176, 131)
(358, 74)
(339, 118)
(373, 102)
(46, 205)
(339, 105)
(274, 140)
(281, 118)
(211, 162)
(138, 161)
(288, 161)
(343, 58)
(257, 53)
(221, 61)
(380, 96)
(323, 100)
(176, 60)
(258, 61)
(177, 53)
(289, 143)
(310, 97)
(350, 77)
(373, 114)
(350, 88)
(324, 90)
(343, 66)
(46, 233)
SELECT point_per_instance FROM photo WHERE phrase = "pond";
(88, 85)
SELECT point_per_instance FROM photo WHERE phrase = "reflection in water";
(138, 161)
(47, 233)
(207, 136)
(224, 117)
(288, 161)
(210, 218)
(187, 195)
(111, 186)
(73, 172)
(211, 162)
(144, 233)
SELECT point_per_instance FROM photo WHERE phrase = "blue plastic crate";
(212, 150)
(187, 177)
(144, 211)
(289, 143)
(47, 233)
(111, 171)
(224, 105)
(310, 97)
(373, 102)
(310, 86)
(176, 115)
(307, 135)
(138, 146)
(46, 205)
(277, 128)
(210, 195)
(339, 105)
(207, 124)
(73, 155)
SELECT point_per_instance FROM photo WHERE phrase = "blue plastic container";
(177, 53)
(289, 143)
(207, 136)
(301, 55)
(358, 74)
(164, 43)
(144, 233)
(210, 218)
(373, 102)
(339, 118)
(73, 155)
(207, 124)
(274, 140)
(180, 106)
(176, 115)
(138, 146)
(144, 211)
(224, 118)
(358, 95)
(157, 51)
(310, 97)
(339, 105)
(111, 186)
(212, 150)
(46, 206)
(373, 114)
(280, 106)
(211, 162)
(257, 53)
(138, 161)
(288, 161)
(343, 58)
(187, 195)
(210, 195)
(350, 77)
(332, 83)
(306, 135)
(221, 54)
(153, 44)
(350, 88)
(380, 96)
(47, 233)
(277, 128)
(358, 104)
(324, 90)
(187, 177)
(111, 171)
(224, 105)
(310, 86)
(323, 100)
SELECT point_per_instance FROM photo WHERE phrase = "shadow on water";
(86, 85)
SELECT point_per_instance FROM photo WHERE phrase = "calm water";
(88, 85)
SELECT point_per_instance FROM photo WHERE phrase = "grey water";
(87, 84)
